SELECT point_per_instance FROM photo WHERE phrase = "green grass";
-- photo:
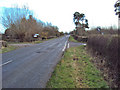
(18, 42)
(79, 73)
(10, 47)
(72, 39)
(34, 42)
(7, 49)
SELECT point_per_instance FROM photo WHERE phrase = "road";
(31, 67)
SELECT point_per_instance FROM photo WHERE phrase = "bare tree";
(14, 19)
(21, 25)
(14, 15)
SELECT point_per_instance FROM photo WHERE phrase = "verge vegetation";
(7, 49)
(15, 45)
(76, 70)
(105, 50)
(72, 39)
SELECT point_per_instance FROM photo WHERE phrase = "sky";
(60, 12)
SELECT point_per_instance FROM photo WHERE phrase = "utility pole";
(119, 22)
(117, 10)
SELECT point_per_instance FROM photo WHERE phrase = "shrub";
(107, 47)
(4, 43)
(103, 30)
(82, 39)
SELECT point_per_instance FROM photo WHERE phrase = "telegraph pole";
(117, 10)
(119, 23)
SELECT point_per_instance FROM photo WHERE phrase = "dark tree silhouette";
(79, 18)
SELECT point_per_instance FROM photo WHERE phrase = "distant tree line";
(102, 31)
(22, 26)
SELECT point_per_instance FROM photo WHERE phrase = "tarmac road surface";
(31, 67)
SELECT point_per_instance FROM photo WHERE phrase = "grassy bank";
(72, 39)
(75, 70)
(7, 49)
(10, 47)
(34, 42)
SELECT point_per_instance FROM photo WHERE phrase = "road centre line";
(6, 63)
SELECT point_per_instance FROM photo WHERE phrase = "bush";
(106, 46)
(103, 30)
(82, 39)
(4, 43)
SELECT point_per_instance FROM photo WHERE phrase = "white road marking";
(64, 46)
(6, 63)
(67, 35)
(68, 45)
(84, 44)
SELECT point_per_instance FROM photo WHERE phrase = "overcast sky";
(60, 12)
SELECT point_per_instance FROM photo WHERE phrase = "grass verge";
(7, 49)
(76, 70)
(10, 47)
(71, 39)
(34, 42)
